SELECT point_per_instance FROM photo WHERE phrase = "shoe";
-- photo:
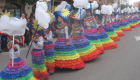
(51, 73)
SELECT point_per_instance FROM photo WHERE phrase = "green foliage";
(25, 1)
(139, 6)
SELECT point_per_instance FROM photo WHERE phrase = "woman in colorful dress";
(105, 39)
(86, 50)
(65, 54)
(38, 63)
(124, 24)
(49, 49)
(109, 29)
(91, 31)
(20, 70)
(116, 25)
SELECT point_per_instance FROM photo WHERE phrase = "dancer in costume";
(49, 49)
(86, 50)
(124, 24)
(105, 39)
(91, 31)
(66, 55)
(109, 29)
(38, 63)
(116, 25)
(20, 70)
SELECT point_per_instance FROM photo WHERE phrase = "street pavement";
(121, 63)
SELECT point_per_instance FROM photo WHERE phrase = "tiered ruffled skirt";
(49, 56)
(93, 37)
(105, 39)
(111, 33)
(86, 50)
(20, 71)
(38, 64)
(67, 56)
(117, 29)
(124, 25)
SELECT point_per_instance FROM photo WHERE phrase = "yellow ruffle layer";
(50, 61)
(97, 44)
(114, 35)
(76, 56)
(87, 52)
(106, 42)
(33, 78)
(119, 31)
(41, 70)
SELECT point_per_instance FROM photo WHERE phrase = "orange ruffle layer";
(101, 49)
(40, 75)
(71, 64)
(111, 45)
(128, 29)
(91, 56)
(50, 66)
(120, 33)
(115, 38)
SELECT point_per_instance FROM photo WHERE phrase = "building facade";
(135, 4)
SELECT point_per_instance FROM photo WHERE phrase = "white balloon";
(80, 4)
(12, 26)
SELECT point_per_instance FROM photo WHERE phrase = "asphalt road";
(121, 63)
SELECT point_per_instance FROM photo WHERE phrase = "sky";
(131, 1)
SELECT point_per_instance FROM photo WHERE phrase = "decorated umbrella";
(42, 17)
(12, 26)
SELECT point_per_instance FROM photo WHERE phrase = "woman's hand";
(98, 31)
(67, 43)
(33, 39)
(29, 47)
(13, 46)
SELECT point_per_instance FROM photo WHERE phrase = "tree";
(139, 6)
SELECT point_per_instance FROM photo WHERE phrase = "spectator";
(3, 39)
(32, 15)
(27, 17)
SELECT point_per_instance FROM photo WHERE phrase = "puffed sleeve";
(71, 32)
(66, 32)
(39, 42)
(102, 23)
(49, 37)
(95, 23)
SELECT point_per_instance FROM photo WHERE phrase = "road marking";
(137, 38)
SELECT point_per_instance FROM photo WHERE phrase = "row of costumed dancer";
(95, 29)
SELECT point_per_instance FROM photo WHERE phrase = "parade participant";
(115, 25)
(124, 23)
(86, 50)
(105, 39)
(38, 63)
(107, 21)
(66, 55)
(49, 48)
(20, 70)
(91, 31)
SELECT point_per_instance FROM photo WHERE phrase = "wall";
(2, 3)
(136, 4)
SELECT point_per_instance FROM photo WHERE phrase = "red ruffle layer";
(70, 64)
(120, 33)
(40, 75)
(91, 56)
(115, 38)
(111, 45)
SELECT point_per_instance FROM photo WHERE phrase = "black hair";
(4, 10)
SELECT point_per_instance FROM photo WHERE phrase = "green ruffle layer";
(65, 53)
(117, 29)
(105, 39)
(111, 33)
(27, 77)
(38, 66)
(49, 58)
(85, 48)
(95, 41)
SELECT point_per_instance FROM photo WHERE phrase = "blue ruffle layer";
(64, 48)
(108, 29)
(82, 45)
(13, 76)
